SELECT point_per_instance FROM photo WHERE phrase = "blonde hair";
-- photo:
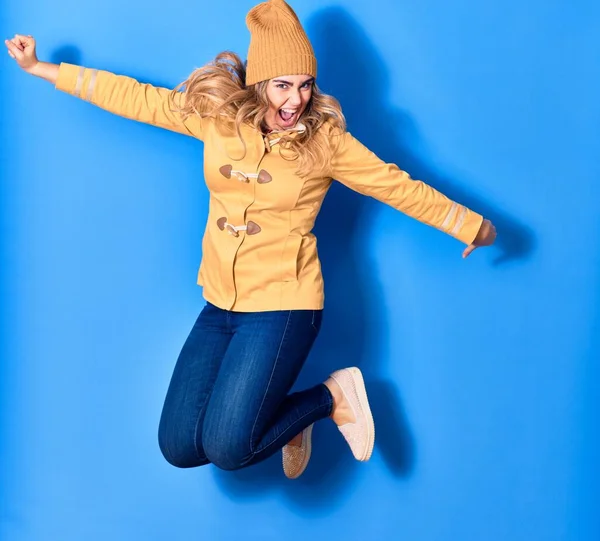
(218, 90)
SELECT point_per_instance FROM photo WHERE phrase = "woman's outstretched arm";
(360, 169)
(121, 95)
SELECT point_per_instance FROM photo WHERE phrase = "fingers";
(14, 50)
(16, 41)
(22, 49)
(469, 250)
(490, 233)
(493, 233)
(485, 237)
(23, 41)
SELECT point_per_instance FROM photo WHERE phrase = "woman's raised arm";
(361, 170)
(121, 95)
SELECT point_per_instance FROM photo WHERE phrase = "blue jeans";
(228, 402)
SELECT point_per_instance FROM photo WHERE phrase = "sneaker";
(360, 435)
(295, 458)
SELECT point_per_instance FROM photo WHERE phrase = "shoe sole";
(308, 435)
(363, 404)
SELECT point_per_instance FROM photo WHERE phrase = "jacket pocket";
(289, 258)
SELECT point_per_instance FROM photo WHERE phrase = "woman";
(273, 144)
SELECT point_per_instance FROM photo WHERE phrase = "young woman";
(272, 145)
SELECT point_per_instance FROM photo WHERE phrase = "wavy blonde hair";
(218, 90)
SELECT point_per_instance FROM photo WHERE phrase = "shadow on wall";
(68, 53)
(350, 69)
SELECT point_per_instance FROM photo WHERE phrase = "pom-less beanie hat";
(278, 43)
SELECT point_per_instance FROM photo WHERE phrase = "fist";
(485, 237)
(22, 49)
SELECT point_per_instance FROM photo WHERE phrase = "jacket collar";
(273, 137)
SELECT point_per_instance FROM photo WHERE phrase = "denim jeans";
(228, 402)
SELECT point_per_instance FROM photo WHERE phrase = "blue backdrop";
(483, 373)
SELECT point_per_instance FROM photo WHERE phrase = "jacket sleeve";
(357, 167)
(128, 98)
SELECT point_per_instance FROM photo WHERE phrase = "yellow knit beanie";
(278, 43)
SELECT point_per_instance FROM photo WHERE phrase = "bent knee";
(228, 453)
(227, 458)
(181, 452)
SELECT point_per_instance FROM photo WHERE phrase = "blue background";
(483, 373)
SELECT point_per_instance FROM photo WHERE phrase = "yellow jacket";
(258, 250)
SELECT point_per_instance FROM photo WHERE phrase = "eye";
(281, 85)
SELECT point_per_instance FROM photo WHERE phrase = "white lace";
(234, 229)
(299, 128)
(244, 177)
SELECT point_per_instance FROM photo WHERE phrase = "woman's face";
(288, 97)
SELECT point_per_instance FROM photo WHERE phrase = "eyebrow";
(311, 80)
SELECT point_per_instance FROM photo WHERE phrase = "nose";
(295, 98)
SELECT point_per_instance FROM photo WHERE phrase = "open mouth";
(288, 116)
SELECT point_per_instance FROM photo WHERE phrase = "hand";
(485, 237)
(22, 49)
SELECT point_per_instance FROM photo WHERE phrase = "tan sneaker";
(359, 435)
(295, 458)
